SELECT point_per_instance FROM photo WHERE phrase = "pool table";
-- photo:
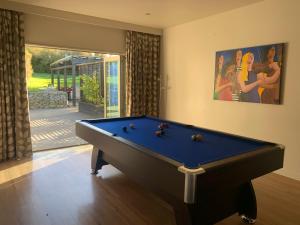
(204, 181)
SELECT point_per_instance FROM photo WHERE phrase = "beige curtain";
(142, 70)
(15, 138)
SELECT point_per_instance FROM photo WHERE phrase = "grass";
(40, 81)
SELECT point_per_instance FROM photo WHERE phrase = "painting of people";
(249, 74)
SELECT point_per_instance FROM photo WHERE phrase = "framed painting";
(250, 74)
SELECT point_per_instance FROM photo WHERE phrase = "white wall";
(189, 59)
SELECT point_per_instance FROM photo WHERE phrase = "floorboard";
(55, 188)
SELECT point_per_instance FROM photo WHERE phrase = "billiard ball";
(159, 133)
(124, 129)
(160, 126)
(131, 126)
(199, 137)
(165, 125)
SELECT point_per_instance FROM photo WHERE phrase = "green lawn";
(40, 81)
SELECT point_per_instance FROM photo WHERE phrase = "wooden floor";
(55, 188)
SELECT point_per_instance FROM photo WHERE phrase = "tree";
(43, 57)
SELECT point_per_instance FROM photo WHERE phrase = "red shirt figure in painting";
(223, 86)
(227, 87)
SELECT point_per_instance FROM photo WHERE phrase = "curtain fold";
(15, 137)
(143, 76)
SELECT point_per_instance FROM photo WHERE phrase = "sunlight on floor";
(39, 160)
(45, 122)
(53, 135)
(55, 128)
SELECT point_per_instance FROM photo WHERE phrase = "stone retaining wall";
(48, 99)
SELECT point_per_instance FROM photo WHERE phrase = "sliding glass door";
(112, 76)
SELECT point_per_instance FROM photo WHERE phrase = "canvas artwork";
(249, 74)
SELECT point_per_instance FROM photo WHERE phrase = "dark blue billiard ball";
(124, 129)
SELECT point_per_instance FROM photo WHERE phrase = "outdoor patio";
(55, 128)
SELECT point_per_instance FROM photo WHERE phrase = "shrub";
(91, 89)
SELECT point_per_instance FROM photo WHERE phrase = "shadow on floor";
(55, 128)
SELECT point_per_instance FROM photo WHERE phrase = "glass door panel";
(112, 86)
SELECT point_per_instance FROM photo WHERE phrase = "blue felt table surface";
(176, 143)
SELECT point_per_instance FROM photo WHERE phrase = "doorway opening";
(65, 86)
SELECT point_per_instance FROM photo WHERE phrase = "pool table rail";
(190, 182)
(91, 121)
(238, 169)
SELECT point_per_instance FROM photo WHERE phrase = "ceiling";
(163, 13)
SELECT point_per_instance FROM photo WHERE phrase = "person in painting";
(227, 84)
(223, 85)
(270, 74)
(248, 80)
(234, 68)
